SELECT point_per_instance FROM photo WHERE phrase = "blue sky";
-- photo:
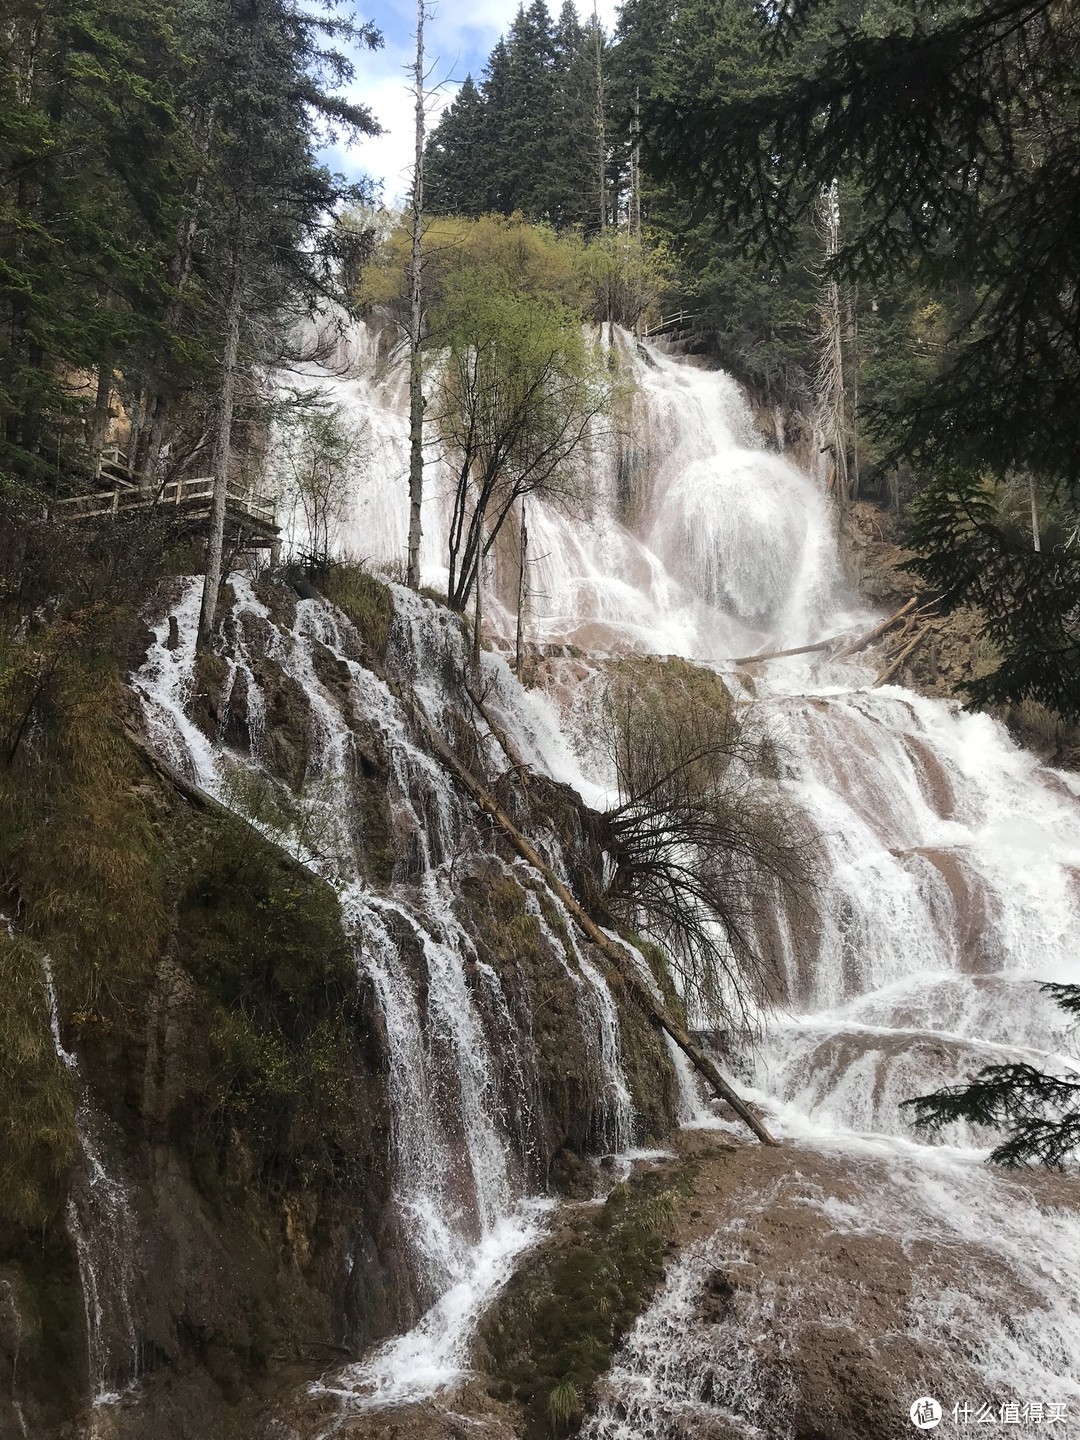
(459, 35)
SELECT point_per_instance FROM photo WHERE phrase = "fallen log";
(891, 669)
(591, 930)
(779, 654)
(871, 635)
(501, 737)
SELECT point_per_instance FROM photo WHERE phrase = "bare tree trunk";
(601, 137)
(853, 335)
(1035, 536)
(222, 444)
(99, 423)
(523, 592)
(478, 617)
(831, 398)
(416, 390)
(635, 206)
(152, 457)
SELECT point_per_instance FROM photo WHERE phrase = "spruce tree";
(527, 113)
(456, 160)
(499, 170)
(89, 152)
(575, 139)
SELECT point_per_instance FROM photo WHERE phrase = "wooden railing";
(672, 322)
(181, 492)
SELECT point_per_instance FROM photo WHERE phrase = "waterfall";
(949, 890)
(462, 1082)
(103, 1230)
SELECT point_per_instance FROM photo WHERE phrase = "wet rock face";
(816, 1297)
(258, 1110)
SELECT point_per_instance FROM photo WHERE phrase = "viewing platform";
(252, 515)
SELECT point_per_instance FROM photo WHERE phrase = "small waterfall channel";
(950, 889)
(102, 1225)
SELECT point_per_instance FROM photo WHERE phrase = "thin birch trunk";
(222, 445)
(478, 615)
(1036, 538)
(416, 391)
(523, 592)
(99, 424)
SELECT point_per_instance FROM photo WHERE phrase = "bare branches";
(703, 846)
(517, 394)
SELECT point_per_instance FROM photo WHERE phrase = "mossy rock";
(37, 1093)
(671, 684)
(554, 1329)
(366, 600)
(278, 983)
(43, 1354)
(207, 703)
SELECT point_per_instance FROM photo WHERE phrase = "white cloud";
(459, 38)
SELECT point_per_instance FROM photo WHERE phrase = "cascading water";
(103, 1230)
(950, 889)
(461, 1072)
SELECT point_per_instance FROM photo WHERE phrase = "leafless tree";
(705, 848)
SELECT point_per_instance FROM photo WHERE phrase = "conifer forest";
(539, 719)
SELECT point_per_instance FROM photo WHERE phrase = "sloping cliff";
(358, 1048)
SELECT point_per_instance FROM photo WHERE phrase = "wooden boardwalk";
(254, 514)
(668, 324)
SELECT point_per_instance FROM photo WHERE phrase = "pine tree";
(575, 139)
(527, 114)
(456, 161)
(499, 170)
(271, 199)
(89, 149)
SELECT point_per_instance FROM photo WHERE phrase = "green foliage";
(564, 1405)
(1039, 1112)
(37, 1093)
(76, 843)
(605, 278)
(152, 159)
(365, 599)
(976, 546)
(89, 152)
(517, 394)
